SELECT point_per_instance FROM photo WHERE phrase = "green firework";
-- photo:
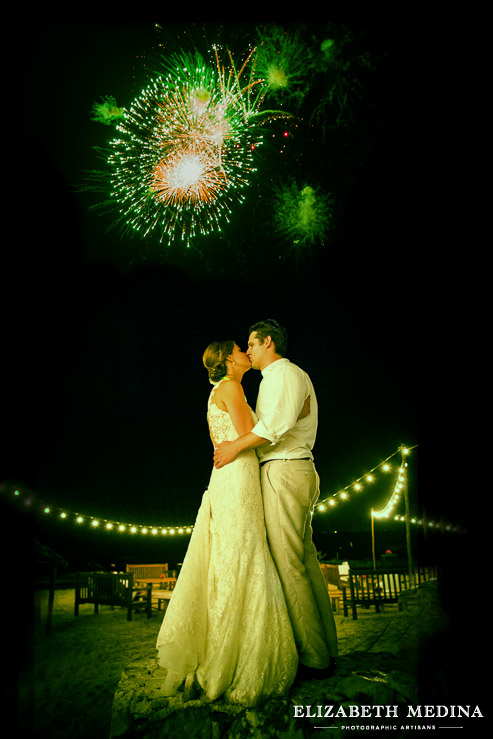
(303, 216)
(285, 62)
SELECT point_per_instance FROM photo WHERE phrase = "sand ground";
(68, 684)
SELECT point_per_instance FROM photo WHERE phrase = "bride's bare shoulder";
(231, 388)
(228, 391)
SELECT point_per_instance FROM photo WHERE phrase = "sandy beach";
(75, 670)
(77, 667)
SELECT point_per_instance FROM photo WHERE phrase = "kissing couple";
(250, 612)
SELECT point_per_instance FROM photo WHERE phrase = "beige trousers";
(290, 490)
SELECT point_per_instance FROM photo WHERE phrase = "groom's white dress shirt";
(282, 393)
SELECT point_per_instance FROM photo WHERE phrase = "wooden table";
(170, 581)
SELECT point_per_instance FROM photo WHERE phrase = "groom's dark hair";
(270, 327)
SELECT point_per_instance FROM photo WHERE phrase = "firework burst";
(285, 62)
(302, 216)
(106, 111)
(185, 147)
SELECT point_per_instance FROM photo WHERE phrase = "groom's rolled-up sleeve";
(282, 402)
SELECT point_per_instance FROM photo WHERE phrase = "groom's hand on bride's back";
(223, 454)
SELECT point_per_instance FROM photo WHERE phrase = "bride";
(226, 630)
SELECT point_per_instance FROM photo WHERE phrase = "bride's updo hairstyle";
(214, 359)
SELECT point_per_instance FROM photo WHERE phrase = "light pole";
(408, 520)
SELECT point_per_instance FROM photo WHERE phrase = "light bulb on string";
(370, 477)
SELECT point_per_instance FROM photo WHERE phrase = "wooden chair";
(161, 598)
(335, 585)
(112, 589)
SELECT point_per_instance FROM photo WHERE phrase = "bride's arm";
(241, 415)
(234, 399)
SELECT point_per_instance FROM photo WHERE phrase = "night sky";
(109, 409)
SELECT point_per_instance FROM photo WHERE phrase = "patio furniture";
(368, 587)
(336, 586)
(112, 589)
(161, 598)
(153, 574)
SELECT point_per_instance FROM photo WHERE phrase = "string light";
(98, 523)
(356, 486)
(370, 477)
(395, 497)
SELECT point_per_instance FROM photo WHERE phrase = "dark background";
(107, 393)
(104, 392)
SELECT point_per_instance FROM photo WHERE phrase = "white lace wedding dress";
(227, 620)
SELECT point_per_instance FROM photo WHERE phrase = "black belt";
(295, 459)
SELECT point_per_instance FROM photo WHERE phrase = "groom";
(284, 438)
